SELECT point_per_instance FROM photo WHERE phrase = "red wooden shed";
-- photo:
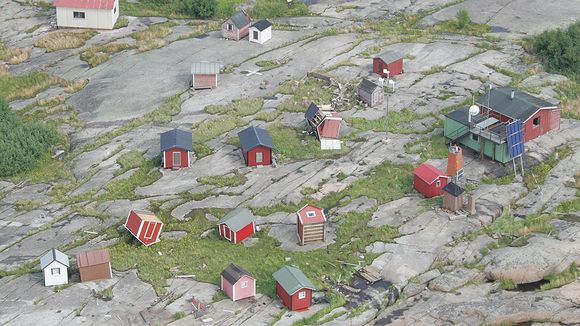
(176, 148)
(429, 180)
(237, 283)
(391, 61)
(293, 288)
(144, 226)
(311, 224)
(236, 27)
(94, 265)
(256, 146)
(237, 225)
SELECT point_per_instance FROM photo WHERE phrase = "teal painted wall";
(501, 151)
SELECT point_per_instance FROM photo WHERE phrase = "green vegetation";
(129, 160)
(507, 284)
(201, 150)
(569, 95)
(559, 280)
(559, 50)
(153, 37)
(463, 19)
(33, 29)
(231, 180)
(433, 70)
(505, 180)
(267, 116)
(240, 108)
(536, 176)
(303, 93)
(97, 54)
(397, 121)
(16, 87)
(121, 22)
(200, 8)
(13, 55)
(462, 25)
(345, 7)
(60, 40)
(23, 144)
(26, 205)
(105, 294)
(146, 174)
(266, 65)
(210, 129)
(335, 299)
(277, 8)
(46, 169)
(488, 46)
(178, 315)
(432, 147)
(507, 225)
(294, 145)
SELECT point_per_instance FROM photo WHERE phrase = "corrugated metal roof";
(176, 138)
(85, 4)
(330, 128)
(311, 111)
(91, 258)
(522, 106)
(389, 56)
(234, 273)
(147, 216)
(240, 19)
(51, 256)
(368, 86)
(427, 173)
(254, 136)
(453, 189)
(292, 279)
(205, 68)
(261, 25)
(238, 219)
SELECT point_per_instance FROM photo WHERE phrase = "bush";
(200, 8)
(21, 144)
(463, 19)
(559, 50)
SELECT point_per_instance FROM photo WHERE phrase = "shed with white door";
(54, 265)
(260, 32)
(98, 14)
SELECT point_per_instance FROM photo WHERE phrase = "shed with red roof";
(311, 224)
(429, 180)
(326, 126)
(94, 265)
(97, 14)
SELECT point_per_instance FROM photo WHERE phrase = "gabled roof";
(262, 25)
(254, 136)
(176, 138)
(317, 214)
(292, 279)
(330, 128)
(521, 107)
(51, 256)
(238, 219)
(205, 68)
(85, 4)
(453, 189)
(233, 273)
(368, 86)
(147, 216)
(240, 19)
(428, 173)
(389, 56)
(311, 111)
(92, 258)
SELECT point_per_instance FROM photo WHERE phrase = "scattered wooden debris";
(370, 274)
(184, 276)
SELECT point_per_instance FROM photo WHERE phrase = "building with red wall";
(256, 146)
(144, 226)
(429, 180)
(236, 27)
(237, 283)
(293, 288)
(391, 61)
(237, 225)
(176, 148)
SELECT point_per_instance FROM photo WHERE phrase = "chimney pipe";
(512, 95)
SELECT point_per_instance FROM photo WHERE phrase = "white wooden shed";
(97, 14)
(54, 265)
(260, 32)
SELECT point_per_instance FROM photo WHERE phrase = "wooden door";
(176, 159)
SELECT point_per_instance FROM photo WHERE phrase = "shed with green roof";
(237, 225)
(293, 288)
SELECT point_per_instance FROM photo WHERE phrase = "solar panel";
(515, 138)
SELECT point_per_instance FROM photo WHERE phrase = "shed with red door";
(311, 223)
(94, 265)
(256, 146)
(389, 60)
(176, 148)
(144, 226)
(237, 283)
(237, 225)
(429, 180)
(293, 288)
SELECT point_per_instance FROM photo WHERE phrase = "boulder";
(450, 281)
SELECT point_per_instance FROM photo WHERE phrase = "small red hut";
(391, 61)
(144, 226)
(176, 148)
(236, 27)
(429, 180)
(237, 225)
(293, 288)
(310, 222)
(256, 146)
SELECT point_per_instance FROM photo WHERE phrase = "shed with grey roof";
(54, 265)
(205, 74)
(176, 147)
(237, 283)
(293, 288)
(388, 64)
(237, 225)
(257, 146)
(370, 93)
(236, 27)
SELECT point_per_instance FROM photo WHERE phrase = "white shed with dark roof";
(54, 265)
(261, 31)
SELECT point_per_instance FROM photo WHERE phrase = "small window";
(475, 137)
(536, 121)
(230, 27)
(115, 9)
(255, 35)
(55, 271)
(78, 14)
(302, 295)
(259, 157)
(311, 214)
(244, 284)
(438, 183)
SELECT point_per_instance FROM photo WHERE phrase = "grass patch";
(129, 160)
(569, 96)
(267, 116)
(303, 93)
(121, 22)
(433, 70)
(240, 108)
(536, 176)
(97, 54)
(451, 26)
(33, 29)
(210, 129)
(566, 277)
(105, 294)
(345, 7)
(335, 299)
(507, 284)
(507, 225)
(200, 29)
(201, 150)
(17, 87)
(150, 8)
(292, 144)
(147, 173)
(231, 180)
(266, 65)
(505, 180)
(26, 205)
(153, 37)
(178, 315)
(13, 55)
(433, 147)
(276, 8)
(60, 40)
(397, 119)
(488, 46)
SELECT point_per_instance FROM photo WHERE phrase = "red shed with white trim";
(237, 225)
(176, 148)
(311, 224)
(429, 180)
(144, 226)
(256, 146)
(391, 61)
(293, 288)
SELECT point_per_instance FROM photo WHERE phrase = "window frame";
(534, 122)
(311, 214)
(256, 35)
(259, 157)
(476, 139)
(244, 285)
(78, 14)
(230, 27)
(301, 295)
(55, 271)
(438, 183)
